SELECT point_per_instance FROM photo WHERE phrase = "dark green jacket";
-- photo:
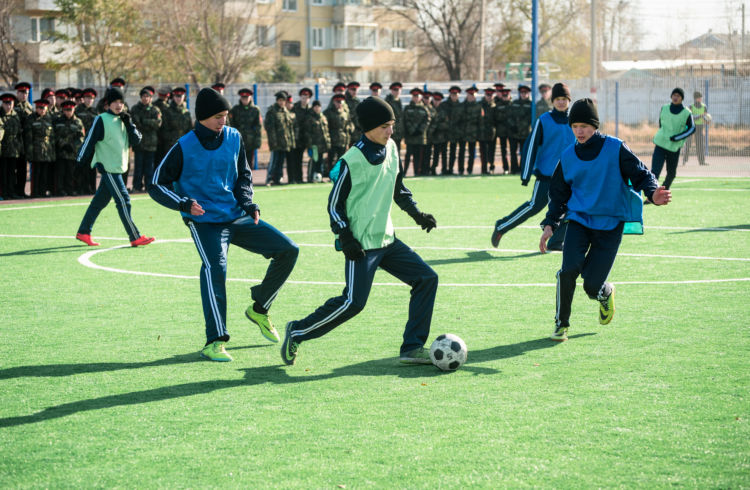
(520, 119)
(339, 126)
(398, 110)
(279, 125)
(301, 114)
(39, 138)
(246, 120)
(472, 120)
(502, 121)
(12, 140)
(439, 126)
(487, 128)
(416, 122)
(175, 122)
(316, 132)
(69, 134)
(86, 115)
(148, 120)
(455, 114)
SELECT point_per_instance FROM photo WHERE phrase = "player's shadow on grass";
(276, 374)
(480, 256)
(36, 251)
(713, 229)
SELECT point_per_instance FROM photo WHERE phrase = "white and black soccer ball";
(448, 352)
(317, 177)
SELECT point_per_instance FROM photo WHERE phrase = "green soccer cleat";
(289, 347)
(560, 334)
(607, 307)
(215, 351)
(416, 356)
(264, 322)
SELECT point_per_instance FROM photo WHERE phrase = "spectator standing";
(394, 100)
(147, 118)
(519, 117)
(301, 110)
(279, 125)
(39, 141)
(416, 122)
(699, 111)
(471, 128)
(487, 132)
(455, 114)
(339, 126)
(544, 104)
(318, 141)
(11, 147)
(86, 112)
(69, 134)
(245, 118)
(437, 135)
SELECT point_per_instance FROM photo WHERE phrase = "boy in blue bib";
(590, 188)
(206, 176)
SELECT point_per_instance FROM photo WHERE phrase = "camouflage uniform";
(39, 145)
(543, 105)
(339, 126)
(487, 136)
(175, 122)
(472, 125)
(246, 120)
(416, 122)
(351, 104)
(24, 110)
(294, 166)
(398, 111)
(148, 120)
(437, 134)
(69, 134)
(11, 152)
(279, 125)
(318, 139)
(520, 128)
(86, 176)
(502, 112)
(455, 115)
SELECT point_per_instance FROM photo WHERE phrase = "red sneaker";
(86, 239)
(143, 240)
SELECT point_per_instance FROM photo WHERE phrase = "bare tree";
(10, 52)
(212, 39)
(450, 29)
(106, 35)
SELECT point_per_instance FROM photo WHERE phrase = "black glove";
(426, 221)
(350, 246)
(125, 118)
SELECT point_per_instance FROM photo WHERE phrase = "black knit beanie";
(560, 90)
(113, 94)
(584, 111)
(208, 103)
(678, 90)
(372, 112)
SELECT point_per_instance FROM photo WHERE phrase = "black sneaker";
(289, 347)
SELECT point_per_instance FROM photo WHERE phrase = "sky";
(668, 23)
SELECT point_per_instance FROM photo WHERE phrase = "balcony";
(41, 5)
(352, 14)
(353, 58)
(43, 52)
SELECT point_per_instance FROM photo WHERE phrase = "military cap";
(338, 97)
(489, 90)
(543, 86)
(306, 90)
(145, 91)
(23, 86)
(505, 90)
(472, 90)
(352, 84)
(150, 89)
(117, 82)
(522, 87)
(164, 90)
(47, 92)
(89, 91)
(437, 95)
(316, 103)
(68, 103)
(61, 92)
(697, 95)
(415, 90)
(8, 97)
(375, 85)
(455, 89)
(339, 85)
(499, 85)
(280, 95)
(396, 85)
(76, 93)
(426, 94)
(244, 91)
(218, 85)
(179, 90)
(41, 102)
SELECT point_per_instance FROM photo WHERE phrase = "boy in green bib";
(367, 180)
(675, 126)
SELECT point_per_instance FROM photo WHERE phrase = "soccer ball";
(317, 177)
(448, 352)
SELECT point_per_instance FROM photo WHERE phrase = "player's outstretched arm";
(661, 196)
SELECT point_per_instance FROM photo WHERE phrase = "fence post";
(705, 126)
(255, 101)
(617, 109)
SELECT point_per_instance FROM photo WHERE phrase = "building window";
(290, 48)
(362, 37)
(266, 37)
(42, 29)
(289, 6)
(85, 77)
(317, 2)
(398, 39)
(318, 40)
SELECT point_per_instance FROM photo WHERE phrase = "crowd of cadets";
(435, 131)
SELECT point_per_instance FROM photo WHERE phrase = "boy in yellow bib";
(675, 126)
(367, 180)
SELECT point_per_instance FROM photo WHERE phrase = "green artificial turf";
(102, 385)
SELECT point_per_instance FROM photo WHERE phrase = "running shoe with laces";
(216, 351)
(264, 323)
(607, 307)
(560, 334)
(289, 347)
(419, 355)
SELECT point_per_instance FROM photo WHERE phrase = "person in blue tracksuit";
(550, 137)
(106, 148)
(206, 176)
(675, 127)
(367, 180)
(590, 188)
